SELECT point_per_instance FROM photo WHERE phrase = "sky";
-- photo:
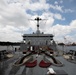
(60, 18)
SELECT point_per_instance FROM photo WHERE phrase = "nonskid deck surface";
(7, 68)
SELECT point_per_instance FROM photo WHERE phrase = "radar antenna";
(37, 19)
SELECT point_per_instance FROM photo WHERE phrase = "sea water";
(9, 47)
(66, 48)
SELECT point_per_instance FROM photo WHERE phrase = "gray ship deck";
(7, 68)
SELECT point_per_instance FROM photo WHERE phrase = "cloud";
(57, 7)
(56, 2)
(7, 34)
(61, 31)
(14, 15)
(41, 5)
(68, 10)
(73, 24)
(58, 16)
(14, 19)
(61, 1)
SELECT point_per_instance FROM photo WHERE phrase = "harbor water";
(63, 48)
(66, 48)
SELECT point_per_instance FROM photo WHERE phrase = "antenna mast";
(37, 19)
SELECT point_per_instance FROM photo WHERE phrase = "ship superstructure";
(37, 39)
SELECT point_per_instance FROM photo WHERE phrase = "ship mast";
(37, 19)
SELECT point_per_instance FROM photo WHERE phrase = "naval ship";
(38, 40)
(38, 55)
